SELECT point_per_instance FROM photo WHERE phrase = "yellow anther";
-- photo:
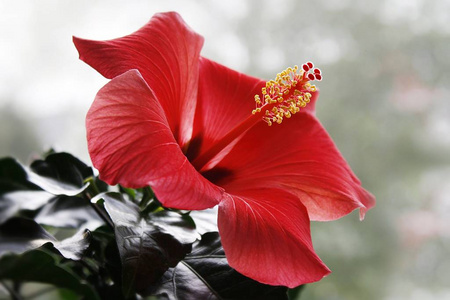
(285, 95)
(307, 97)
(268, 121)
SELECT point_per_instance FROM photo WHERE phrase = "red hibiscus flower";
(189, 128)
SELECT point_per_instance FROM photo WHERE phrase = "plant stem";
(91, 191)
(147, 196)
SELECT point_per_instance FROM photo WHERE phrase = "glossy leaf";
(52, 176)
(13, 202)
(63, 167)
(54, 186)
(205, 220)
(148, 245)
(69, 212)
(18, 235)
(205, 274)
(74, 246)
(13, 176)
(60, 174)
(40, 266)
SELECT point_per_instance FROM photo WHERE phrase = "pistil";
(280, 98)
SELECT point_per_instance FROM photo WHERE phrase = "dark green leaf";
(63, 167)
(44, 291)
(205, 220)
(181, 283)
(40, 266)
(75, 246)
(60, 174)
(54, 186)
(13, 202)
(69, 212)
(18, 235)
(13, 176)
(205, 274)
(148, 244)
(296, 292)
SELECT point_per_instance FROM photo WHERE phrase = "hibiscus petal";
(166, 52)
(225, 98)
(300, 157)
(265, 234)
(130, 143)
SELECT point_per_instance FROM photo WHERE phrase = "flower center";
(284, 96)
(280, 98)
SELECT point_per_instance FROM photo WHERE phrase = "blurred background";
(384, 100)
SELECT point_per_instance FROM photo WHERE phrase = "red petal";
(265, 234)
(300, 157)
(226, 98)
(166, 52)
(130, 143)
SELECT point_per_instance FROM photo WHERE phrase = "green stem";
(91, 191)
(151, 207)
(147, 197)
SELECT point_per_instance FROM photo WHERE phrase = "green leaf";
(13, 202)
(54, 186)
(205, 220)
(63, 167)
(69, 212)
(13, 176)
(18, 235)
(41, 266)
(148, 244)
(205, 274)
(74, 246)
(49, 176)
